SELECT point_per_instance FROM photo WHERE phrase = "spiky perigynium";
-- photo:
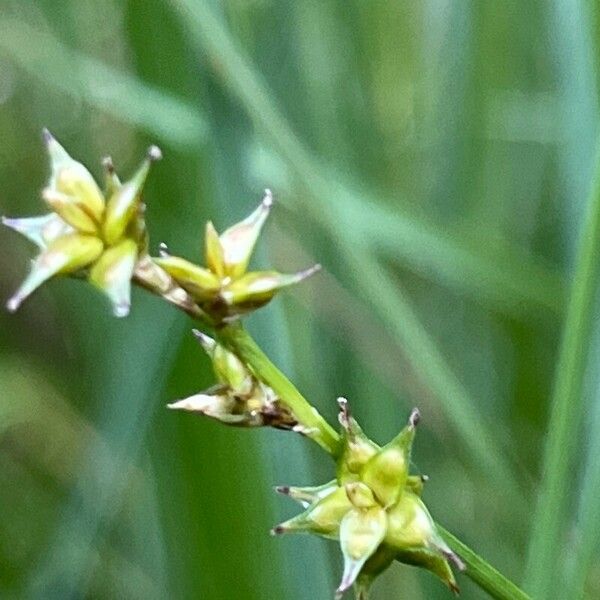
(88, 231)
(238, 398)
(224, 289)
(374, 509)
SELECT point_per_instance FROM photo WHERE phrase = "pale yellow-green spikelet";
(258, 287)
(323, 517)
(67, 254)
(239, 240)
(70, 210)
(201, 283)
(361, 533)
(213, 251)
(112, 274)
(122, 205)
(387, 471)
(357, 448)
(307, 495)
(39, 230)
(216, 406)
(230, 370)
(71, 178)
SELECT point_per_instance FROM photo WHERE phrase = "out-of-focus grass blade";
(289, 458)
(42, 56)
(490, 271)
(550, 518)
(127, 389)
(575, 57)
(330, 196)
(499, 274)
(459, 408)
(587, 533)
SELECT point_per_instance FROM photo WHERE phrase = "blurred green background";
(434, 156)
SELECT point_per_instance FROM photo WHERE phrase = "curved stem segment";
(237, 339)
(482, 573)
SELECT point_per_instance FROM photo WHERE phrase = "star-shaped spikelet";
(224, 289)
(238, 398)
(374, 509)
(90, 232)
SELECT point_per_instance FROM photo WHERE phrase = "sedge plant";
(373, 505)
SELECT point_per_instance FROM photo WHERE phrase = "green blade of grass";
(104, 475)
(498, 273)
(587, 535)
(550, 518)
(42, 56)
(482, 574)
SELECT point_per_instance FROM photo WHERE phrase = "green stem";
(237, 339)
(551, 517)
(482, 573)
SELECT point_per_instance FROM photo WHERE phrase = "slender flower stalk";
(237, 339)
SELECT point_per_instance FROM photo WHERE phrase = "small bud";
(70, 210)
(361, 533)
(40, 230)
(413, 535)
(307, 495)
(112, 274)
(239, 398)
(213, 251)
(66, 254)
(222, 407)
(239, 240)
(323, 517)
(230, 370)
(122, 205)
(256, 289)
(360, 495)
(197, 281)
(387, 471)
(357, 448)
